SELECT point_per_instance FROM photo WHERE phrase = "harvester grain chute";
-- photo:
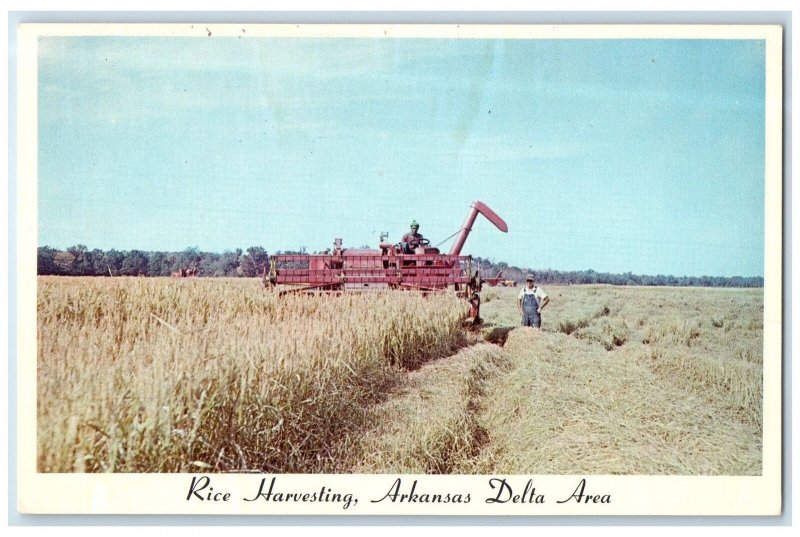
(392, 266)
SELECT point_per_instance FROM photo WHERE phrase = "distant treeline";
(558, 277)
(80, 261)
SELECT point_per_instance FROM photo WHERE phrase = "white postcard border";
(167, 494)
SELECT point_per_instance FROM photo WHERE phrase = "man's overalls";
(530, 310)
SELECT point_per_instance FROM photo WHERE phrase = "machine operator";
(413, 239)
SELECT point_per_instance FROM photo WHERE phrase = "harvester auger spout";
(392, 266)
(482, 208)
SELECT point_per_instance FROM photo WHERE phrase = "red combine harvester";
(495, 280)
(424, 269)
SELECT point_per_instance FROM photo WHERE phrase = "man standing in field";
(413, 239)
(530, 302)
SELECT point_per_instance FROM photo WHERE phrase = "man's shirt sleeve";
(540, 294)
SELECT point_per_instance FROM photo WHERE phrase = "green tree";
(189, 258)
(135, 264)
(254, 262)
(65, 262)
(45, 261)
(159, 263)
(227, 263)
(113, 261)
(81, 264)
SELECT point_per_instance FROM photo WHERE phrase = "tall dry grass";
(159, 375)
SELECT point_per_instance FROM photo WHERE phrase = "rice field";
(181, 375)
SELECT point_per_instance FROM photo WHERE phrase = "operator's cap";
(529, 278)
(414, 223)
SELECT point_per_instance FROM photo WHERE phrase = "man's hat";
(414, 223)
(529, 278)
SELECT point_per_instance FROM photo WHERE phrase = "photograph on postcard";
(275, 251)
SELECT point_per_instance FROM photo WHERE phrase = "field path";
(430, 423)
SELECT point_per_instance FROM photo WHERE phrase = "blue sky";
(616, 155)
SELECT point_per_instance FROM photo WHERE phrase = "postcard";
(478, 270)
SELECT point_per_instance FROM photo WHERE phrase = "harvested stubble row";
(157, 375)
(430, 424)
(570, 408)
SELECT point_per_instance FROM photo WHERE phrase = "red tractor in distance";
(424, 269)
